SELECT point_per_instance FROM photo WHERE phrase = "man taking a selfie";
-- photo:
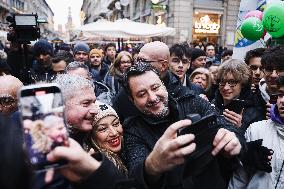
(155, 155)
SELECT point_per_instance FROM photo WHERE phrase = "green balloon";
(273, 19)
(252, 28)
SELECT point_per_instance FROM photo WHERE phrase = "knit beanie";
(104, 111)
(197, 53)
(81, 46)
(96, 51)
(42, 47)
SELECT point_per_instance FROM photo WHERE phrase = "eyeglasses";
(177, 61)
(255, 68)
(138, 59)
(7, 101)
(268, 71)
(231, 83)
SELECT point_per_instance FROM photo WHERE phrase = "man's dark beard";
(161, 114)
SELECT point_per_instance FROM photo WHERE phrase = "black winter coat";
(141, 134)
(253, 110)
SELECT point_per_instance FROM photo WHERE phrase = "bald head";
(156, 51)
(8, 93)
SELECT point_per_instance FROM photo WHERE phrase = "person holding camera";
(155, 155)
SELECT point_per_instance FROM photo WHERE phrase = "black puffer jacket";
(253, 110)
(141, 134)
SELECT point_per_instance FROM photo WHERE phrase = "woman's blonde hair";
(206, 73)
(41, 142)
(114, 68)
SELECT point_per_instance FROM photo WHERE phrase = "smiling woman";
(107, 135)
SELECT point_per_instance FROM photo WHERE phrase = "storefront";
(206, 27)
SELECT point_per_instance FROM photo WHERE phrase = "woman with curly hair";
(234, 78)
(107, 135)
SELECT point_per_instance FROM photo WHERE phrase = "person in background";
(101, 90)
(211, 55)
(113, 79)
(213, 69)
(234, 83)
(179, 64)
(81, 52)
(253, 60)
(42, 67)
(270, 134)
(226, 55)
(201, 77)
(60, 60)
(9, 88)
(198, 60)
(97, 67)
(273, 67)
(107, 135)
(110, 54)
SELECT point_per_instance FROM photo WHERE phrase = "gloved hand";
(257, 156)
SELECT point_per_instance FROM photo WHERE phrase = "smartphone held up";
(43, 120)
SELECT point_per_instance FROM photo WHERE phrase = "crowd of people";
(125, 111)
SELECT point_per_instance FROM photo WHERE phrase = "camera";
(25, 28)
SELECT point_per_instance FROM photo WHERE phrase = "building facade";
(195, 20)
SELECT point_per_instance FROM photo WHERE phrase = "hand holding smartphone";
(43, 120)
(236, 105)
(205, 130)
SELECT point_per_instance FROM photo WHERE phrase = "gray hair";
(75, 65)
(70, 84)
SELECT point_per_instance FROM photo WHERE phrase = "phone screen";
(236, 106)
(42, 110)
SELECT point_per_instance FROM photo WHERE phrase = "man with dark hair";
(158, 55)
(226, 55)
(42, 67)
(211, 55)
(110, 53)
(273, 67)
(179, 63)
(198, 60)
(60, 60)
(155, 155)
(253, 60)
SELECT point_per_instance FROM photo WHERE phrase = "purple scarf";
(274, 115)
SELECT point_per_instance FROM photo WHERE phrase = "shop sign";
(205, 25)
